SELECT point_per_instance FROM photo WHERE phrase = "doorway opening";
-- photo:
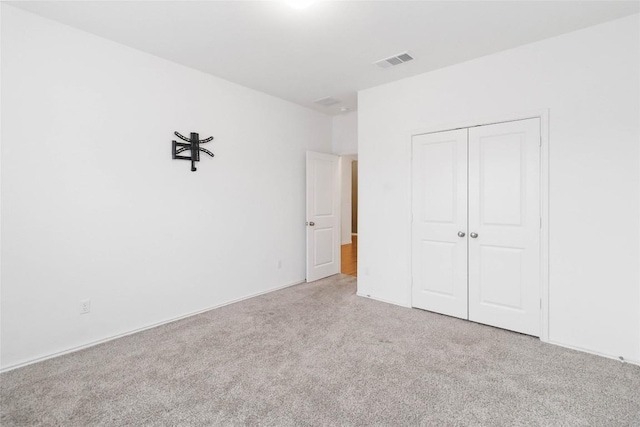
(349, 229)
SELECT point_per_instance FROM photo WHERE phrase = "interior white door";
(323, 215)
(504, 225)
(439, 210)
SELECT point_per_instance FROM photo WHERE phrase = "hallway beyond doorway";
(349, 254)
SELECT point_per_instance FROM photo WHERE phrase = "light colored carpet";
(316, 354)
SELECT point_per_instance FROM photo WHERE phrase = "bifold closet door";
(504, 225)
(439, 208)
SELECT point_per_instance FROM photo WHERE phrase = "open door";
(323, 215)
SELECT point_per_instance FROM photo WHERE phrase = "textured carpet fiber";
(316, 354)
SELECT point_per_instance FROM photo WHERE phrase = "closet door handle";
(461, 234)
(473, 235)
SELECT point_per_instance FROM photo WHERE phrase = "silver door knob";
(473, 235)
(461, 234)
(311, 224)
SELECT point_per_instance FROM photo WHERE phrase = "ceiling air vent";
(326, 102)
(398, 59)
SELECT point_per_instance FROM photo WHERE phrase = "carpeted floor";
(316, 354)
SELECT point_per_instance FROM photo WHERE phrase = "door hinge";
(540, 303)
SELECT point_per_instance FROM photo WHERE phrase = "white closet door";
(504, 225)
(439, 199)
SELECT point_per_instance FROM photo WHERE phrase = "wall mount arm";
(192, 144)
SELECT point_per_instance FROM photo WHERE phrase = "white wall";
(345, 197)
(94, 207)
(589, 82)
(345, 133)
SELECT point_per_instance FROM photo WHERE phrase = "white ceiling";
(327, 49)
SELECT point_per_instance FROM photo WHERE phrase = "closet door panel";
(504, 213)
(439, 209)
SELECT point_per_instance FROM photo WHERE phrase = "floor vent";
(398, 59)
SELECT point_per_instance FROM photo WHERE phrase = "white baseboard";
(174, 319)
(144, 328)
(596, 353)
(572, 347)
(401, 304)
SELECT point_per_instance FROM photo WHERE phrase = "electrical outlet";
(85, 306)
(279, 264)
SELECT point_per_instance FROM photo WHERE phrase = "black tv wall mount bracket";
(192, 144)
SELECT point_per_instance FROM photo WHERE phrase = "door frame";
(543, 115)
